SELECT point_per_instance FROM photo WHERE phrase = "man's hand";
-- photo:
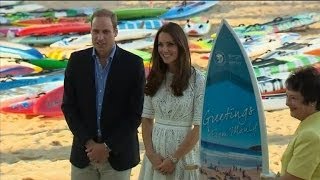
(97, 152)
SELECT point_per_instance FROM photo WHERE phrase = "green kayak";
(48, 63)
(138, 13)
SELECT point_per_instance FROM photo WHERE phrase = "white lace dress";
(174, 117)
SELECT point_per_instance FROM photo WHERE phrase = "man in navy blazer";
(102, 104)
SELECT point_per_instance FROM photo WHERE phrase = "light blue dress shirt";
(101, 76)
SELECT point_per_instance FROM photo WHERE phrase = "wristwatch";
(107, 147)
(174, 160)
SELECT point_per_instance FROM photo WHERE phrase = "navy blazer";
(121, 109)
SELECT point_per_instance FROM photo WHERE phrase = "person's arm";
(137, 96)
(306, 157)
(69, 105)
(192, 136)
(188, 143)
(147, 126)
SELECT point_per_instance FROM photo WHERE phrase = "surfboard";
(201, 45)
(78, 42)
(294, 62)
(281, 24)
(9, 3)
(233, 141)
(192, 28)
(14, 82)
(139, 44)
(188, 9)
(144, 24)
(4, 21)
(272, 84)
(9, 49)
(6, 63)
(272, 102)
(21, 8)
(38, 40)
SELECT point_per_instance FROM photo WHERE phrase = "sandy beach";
(38, 148)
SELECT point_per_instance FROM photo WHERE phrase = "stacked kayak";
(45, 103)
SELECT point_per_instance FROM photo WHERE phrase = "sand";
(39, 148)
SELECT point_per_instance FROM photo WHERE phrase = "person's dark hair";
(159, 68)
(106, 13)
(306, 81)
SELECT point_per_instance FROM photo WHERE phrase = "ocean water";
(224, 156)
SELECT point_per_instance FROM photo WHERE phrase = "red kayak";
(54, 29)
(44, 20)
(50, 103)
(21, 105)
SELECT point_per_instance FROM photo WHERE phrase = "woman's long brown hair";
(159, 68)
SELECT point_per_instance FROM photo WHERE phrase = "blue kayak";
(14, 82)
(9, 49)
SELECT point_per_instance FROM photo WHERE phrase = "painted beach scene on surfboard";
(233, 142)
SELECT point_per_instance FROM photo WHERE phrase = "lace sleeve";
(198, 99)
(148, 110)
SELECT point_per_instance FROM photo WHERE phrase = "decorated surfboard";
(233, 133)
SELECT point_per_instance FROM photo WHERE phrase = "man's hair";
(106, 13)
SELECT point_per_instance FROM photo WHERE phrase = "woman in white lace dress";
(172, 110)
